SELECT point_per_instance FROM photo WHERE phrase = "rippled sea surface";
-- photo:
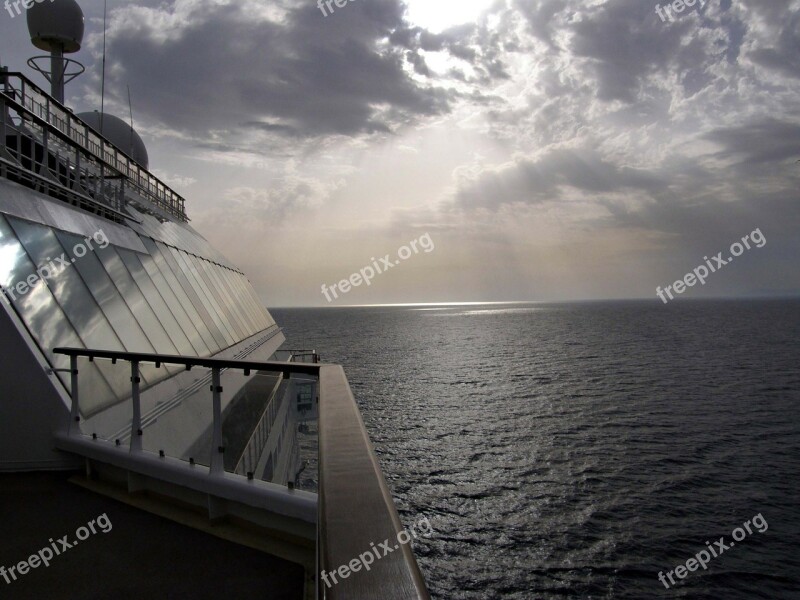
(576, 450)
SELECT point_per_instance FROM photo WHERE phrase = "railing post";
(136, 419)
(217, 450)
(46, 145)
(2, 123)
(74, 414)
(102, 195)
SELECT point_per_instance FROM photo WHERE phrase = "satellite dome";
(56, 24)
(119, 133)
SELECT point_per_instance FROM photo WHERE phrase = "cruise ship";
(142, 378)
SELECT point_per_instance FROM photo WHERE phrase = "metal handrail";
(217, 365)
(60, 121)
(18, 173)
(194, 361)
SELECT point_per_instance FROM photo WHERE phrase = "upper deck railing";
(21, 94)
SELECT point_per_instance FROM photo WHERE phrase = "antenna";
(130, 108)
(103, 72)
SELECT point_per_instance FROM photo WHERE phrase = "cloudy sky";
(551, 149)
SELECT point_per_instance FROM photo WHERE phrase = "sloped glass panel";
(77, 303)
(83, 254)
(156, 302)
(179, 305)
(188, 298)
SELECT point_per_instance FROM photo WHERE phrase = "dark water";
(574, 451)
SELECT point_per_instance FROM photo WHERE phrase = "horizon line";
(778, 296)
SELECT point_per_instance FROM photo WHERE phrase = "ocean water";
(576, 450)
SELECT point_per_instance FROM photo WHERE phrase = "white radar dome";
(119, 133)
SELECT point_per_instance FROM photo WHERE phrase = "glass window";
(238, 282)
(219, 290)
(156, 302)
(209, 291)
(265, 318)
(210, 294)
(244, 311)
(202, 294)
(43, 317)
(80, 308)
(83, 253)
(186, 294)
(144, 314)
(135, 300)
(178, 307)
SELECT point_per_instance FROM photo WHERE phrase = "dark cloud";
(783, 52)
(770, 140)
(548, 179)
(621, 47)
(300, 75)
(199, 67)
(749, 180)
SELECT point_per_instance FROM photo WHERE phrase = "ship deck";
(143, 555)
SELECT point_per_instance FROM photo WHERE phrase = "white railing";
(19, 92)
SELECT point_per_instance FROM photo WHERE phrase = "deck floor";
(142, 555)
